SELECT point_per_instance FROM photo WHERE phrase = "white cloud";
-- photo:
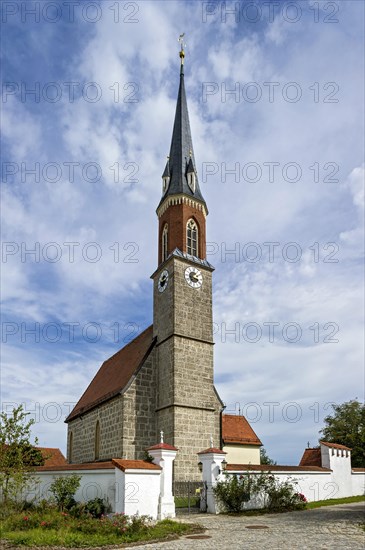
(230, 132)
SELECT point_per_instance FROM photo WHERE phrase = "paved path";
(330, 527)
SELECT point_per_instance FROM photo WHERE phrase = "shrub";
(97, 507)
(64, 489)
(281, 496)
(234, 491)
(278, 496)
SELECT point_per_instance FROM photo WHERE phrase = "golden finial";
(182, 45)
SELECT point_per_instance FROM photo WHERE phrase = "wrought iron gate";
(190, 497)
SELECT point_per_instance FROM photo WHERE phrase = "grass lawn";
(183, 502)
(309, 506)
(333, 501)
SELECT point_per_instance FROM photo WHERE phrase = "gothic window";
(70, 447)
(165, 233)
(192, 238)
(97, 441)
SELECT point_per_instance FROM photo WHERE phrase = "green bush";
(64, 489)
(278, 496)
(97, 507)
(234, 491)
(282, 496)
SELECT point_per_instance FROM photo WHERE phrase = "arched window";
(165, 233)
(97, 441)
(70, 446)
(192, 238)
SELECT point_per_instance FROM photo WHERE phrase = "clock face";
(163, 280)
(193, 277)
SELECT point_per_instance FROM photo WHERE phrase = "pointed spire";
(181, 158)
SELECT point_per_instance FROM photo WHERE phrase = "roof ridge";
(115, 373)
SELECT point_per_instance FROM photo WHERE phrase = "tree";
(264, 457)
(346, 426)
(18, 456)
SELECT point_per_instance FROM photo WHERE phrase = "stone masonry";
(188, 408)
(127, 422)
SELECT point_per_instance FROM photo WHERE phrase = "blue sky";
(96, 133)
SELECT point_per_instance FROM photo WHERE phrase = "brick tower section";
(176, 217)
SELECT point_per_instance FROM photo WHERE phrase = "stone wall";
(139, 406)
(188, 409)
(193, 430)
(83, 428)
(127, 422)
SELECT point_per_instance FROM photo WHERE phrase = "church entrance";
(190, 497)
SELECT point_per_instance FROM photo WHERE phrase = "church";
(163, 380)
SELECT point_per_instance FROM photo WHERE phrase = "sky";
(275, 95)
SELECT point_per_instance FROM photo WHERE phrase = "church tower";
(188, 408)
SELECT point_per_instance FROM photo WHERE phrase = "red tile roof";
(212, 450)
(52, 456)
(134, 465)
(162, 446)
(274, 468)
(85, 466)
(115, 373)
(335, 446)
(311, 457)
(236, 429)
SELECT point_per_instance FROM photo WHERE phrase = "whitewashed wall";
(93, 484)
(358, 483)
(313, 485)
(130, 486)
(338, 481)
(137, 492)
(130, 492)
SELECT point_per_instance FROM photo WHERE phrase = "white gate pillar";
(211, 460)
(164, 455)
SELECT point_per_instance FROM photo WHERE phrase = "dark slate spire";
(181, 156)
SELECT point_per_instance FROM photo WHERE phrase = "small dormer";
(191, 175)
(166, 177)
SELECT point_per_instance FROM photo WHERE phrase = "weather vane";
(182, 45)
